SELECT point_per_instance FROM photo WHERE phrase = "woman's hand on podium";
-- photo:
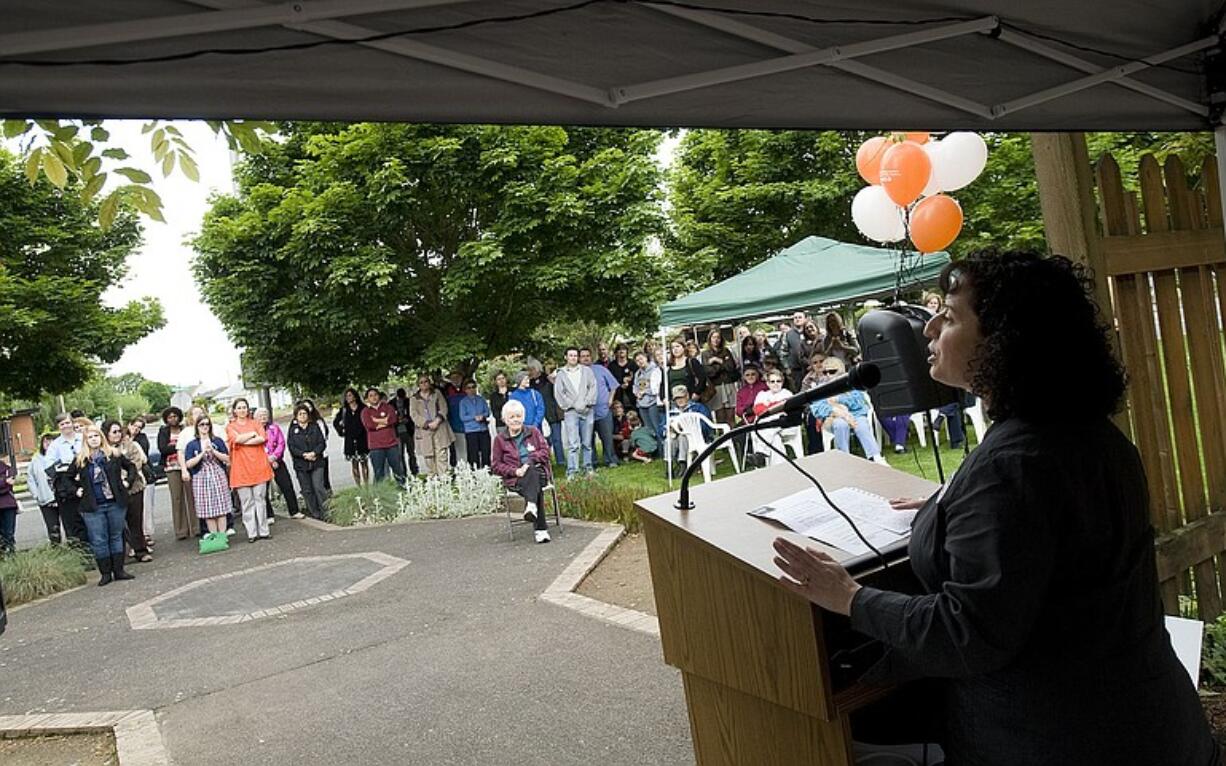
(815, 576)
(907, 503)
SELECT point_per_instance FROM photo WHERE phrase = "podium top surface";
(719, 515)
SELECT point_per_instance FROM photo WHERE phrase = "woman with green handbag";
(205, 458)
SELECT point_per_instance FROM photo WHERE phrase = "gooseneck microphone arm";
(785, 414)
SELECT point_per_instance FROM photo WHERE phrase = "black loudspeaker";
(893, 339)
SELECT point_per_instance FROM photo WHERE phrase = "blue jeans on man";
(381, 459)
(555, 441)
(105, 526)
(576, 436)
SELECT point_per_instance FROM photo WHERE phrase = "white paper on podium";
(1186, 637)
(808, 513)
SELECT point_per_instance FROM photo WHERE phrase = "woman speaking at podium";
(1039, 639)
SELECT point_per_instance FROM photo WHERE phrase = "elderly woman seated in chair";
(845, 413)
(521, 457)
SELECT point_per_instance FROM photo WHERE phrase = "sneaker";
(542, 536)
(230, 532)
(272, 520)
(296, 516)
(530, 512)
(900, 449)
(879, 459)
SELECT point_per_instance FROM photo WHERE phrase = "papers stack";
(808, 513)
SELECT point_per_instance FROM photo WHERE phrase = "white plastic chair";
(688, 426)
(781, 438)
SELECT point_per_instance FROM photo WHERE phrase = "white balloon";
(876, 215)
(934, 151)
(963, 157)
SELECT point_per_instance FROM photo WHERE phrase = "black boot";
(104, 566)
(117, 568)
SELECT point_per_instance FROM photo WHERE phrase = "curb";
(138, 739)
(561, 591)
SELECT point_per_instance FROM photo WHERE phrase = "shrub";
(1213, 653)
(467, 492)
(39, 572)
(596, 499)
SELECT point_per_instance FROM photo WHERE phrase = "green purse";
(214, 542)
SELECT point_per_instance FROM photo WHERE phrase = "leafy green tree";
(352, 253)
(55, 264)
(156, 394)
(739, 196)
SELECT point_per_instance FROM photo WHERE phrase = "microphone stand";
(784, 420)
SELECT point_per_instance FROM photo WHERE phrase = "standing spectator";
(934, 303)
(379, 420)
(249, 469)
(602, 355)
(521, 458)
(623, 368)
(739, 334)
(305, 444)
(791, 351)
(722, 375)
(8, 510)
(136, 429)
(764, 344)
(647, 382)
(531, 400)
(428, 409)
(185, 436)
(839, 341)
(182, 508)
(404, 429)
(691, 349)
(39, 481)
(274, 447)
(100, 476)
(684, 370)
(602, 418)
(553, 413)
(348, 423)
(499, 397)
(322, 424)
(812, 339)
(474, 418)
(61, 456)
(205, 459)
(751, 353)
(453, 390)
(575, 390)
(134, 499)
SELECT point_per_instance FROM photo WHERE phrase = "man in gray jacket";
(575, 390)
(792, 350)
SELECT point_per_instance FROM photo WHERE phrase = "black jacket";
(348, 423)
(120, 473)
(1042, 621)
(299, 440)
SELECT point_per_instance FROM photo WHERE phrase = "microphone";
(861, 377)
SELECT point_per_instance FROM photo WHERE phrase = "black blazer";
(118, 471)
(299, 440)
(1042, 619)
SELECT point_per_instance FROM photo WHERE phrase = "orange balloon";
(918, 136)
(868, 158)
(935, 222)
(905, 170)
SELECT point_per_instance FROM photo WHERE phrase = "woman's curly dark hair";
(1041, 329)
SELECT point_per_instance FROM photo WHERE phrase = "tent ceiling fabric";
(966, 65)
(814, 272)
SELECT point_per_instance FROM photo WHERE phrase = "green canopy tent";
(815, 271)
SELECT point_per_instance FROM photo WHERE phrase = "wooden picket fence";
(1165, 258)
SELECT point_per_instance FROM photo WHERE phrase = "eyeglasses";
(773, 380)
(831, 371)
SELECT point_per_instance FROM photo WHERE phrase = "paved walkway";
(449, 658)
(327, 647)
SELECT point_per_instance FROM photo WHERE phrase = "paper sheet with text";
(808, 513)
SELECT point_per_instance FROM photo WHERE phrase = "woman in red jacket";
(521, 457)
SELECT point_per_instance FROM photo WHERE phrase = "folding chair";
(688, 426)
(512, 499)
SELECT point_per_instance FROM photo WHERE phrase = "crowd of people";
(597, 409)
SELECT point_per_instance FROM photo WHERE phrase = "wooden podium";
(753, 656)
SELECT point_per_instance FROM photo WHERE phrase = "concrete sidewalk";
(449, 660)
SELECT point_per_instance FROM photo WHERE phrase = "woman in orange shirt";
(249, 468)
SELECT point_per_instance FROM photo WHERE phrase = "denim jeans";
(864, 432)
(105, 526)
(388, 457)
(577, 436)
(604, 428)
(953, 417)
(555, 441)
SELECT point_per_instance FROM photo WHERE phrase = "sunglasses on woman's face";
(774, 380)
(830, 371)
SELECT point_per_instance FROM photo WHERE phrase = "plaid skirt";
(211, 490)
